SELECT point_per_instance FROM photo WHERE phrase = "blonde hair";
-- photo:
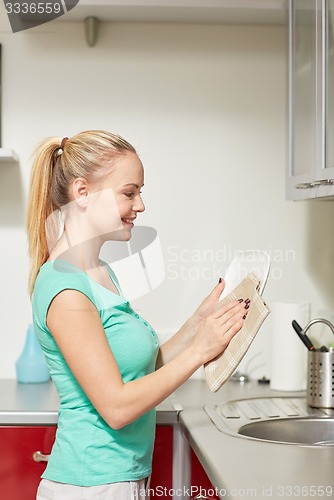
(90, 155)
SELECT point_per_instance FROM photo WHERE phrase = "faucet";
(318, 320)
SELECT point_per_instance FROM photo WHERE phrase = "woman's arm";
(77, 329)
(178, 342)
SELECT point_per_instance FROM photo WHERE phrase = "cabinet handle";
(40, 457)
(323, 182)
(304, 185)
(200, 497)
(320, 182)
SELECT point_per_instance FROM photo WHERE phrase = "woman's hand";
(184, 338)
(209, 303)
(218, 328)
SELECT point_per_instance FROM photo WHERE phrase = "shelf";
(8, 155)
(181, 11)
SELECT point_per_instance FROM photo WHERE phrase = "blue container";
(31, 366)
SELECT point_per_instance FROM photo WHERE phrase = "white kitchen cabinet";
(181, 11)
(330, 86)
(8, 156)
(311, 99)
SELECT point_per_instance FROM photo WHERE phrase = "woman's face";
(114, 205)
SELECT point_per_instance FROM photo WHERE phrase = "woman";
(103, 357)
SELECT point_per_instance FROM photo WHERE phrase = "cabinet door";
(162, 467)
(201, 485)
(305, 96)
(19, 472)
(305, 75)
(311, 99)
(329, 60)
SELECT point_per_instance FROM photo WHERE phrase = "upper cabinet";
(8, 156)
(330, 85)
(181, 11)
(311, 99)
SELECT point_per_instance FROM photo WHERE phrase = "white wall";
(206, 108)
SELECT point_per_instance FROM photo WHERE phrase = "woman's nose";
(138, 205)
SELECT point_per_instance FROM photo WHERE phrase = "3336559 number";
(304, 491)
(33, 8)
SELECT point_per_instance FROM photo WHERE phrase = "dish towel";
(219, 369)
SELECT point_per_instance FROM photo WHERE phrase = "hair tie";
(63, 142)
(61, 147)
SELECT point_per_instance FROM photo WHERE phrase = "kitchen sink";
(281, 420)
(308, 431)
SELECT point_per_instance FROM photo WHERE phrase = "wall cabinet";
(311, 99)
(8, 156)
(181, 11)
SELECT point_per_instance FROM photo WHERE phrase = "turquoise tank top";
(87, 452)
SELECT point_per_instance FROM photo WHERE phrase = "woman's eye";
(129, 195)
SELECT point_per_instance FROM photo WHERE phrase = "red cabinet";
(162, 473)
(201, 484)
(19, 473)
(162, 467)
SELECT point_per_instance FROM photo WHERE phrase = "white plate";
(243, 263)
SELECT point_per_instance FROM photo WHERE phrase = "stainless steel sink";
(309, 431)
(281, 420)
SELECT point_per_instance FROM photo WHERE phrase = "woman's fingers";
(231, 308)
(232, 319)
(231, 326)
(233, 314)
(219, 328)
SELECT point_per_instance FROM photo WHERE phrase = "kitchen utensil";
(244, 263)
(320, 381)
(303, 337)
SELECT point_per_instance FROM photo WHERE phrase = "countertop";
(37, 404)
(238, 468)
(242, 468)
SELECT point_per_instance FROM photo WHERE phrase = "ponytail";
(40, 206)
(56, 164)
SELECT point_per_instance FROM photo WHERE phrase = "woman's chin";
(120, 235)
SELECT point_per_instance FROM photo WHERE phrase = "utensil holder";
(320, 379)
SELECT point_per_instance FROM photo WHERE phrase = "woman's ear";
(80, 191)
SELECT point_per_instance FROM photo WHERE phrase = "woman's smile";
(128, 221)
